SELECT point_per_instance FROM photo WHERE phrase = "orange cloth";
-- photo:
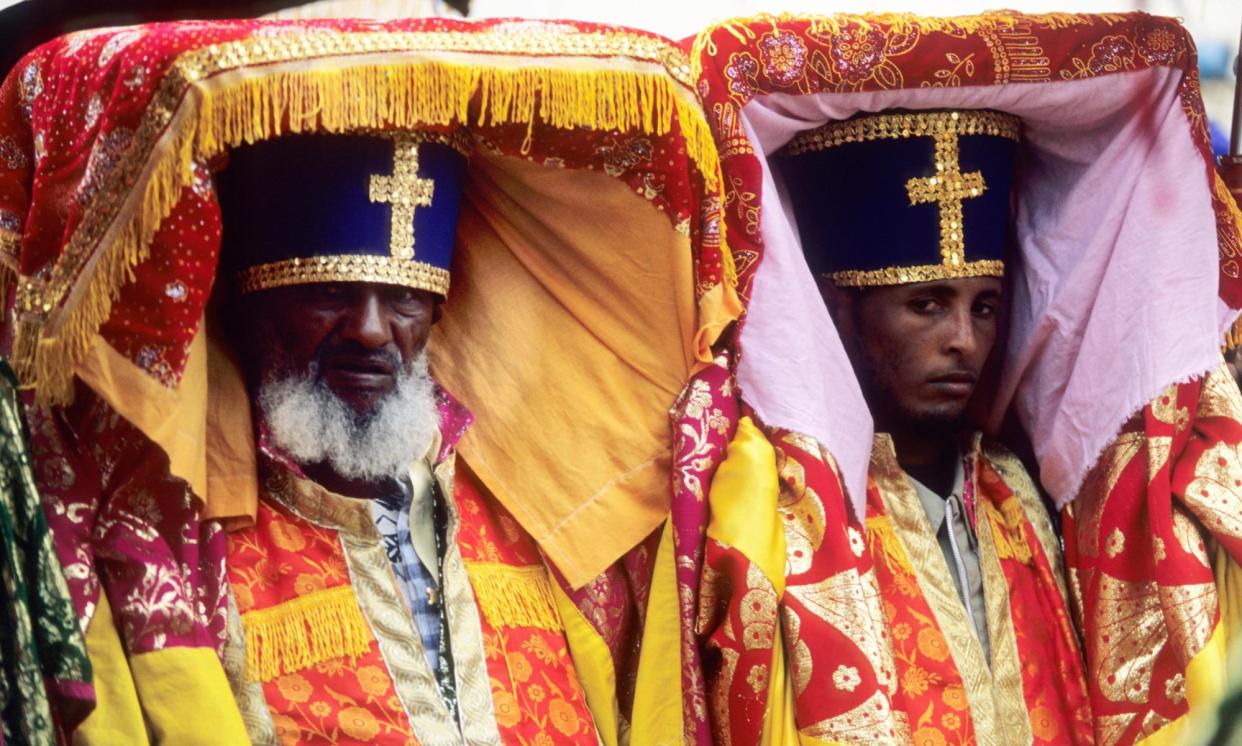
(558, 327)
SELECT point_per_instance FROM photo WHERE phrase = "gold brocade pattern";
(870, 722)
(1010, 469)
(802, 514)
(917, 538)
(1133, 624)
(852, 605)
(248, 694)
(1013, 722)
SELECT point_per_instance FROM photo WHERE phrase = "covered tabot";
(590, 231)
(1122, 295)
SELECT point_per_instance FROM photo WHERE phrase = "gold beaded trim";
(895, 126)
(343, 268)
(919, 273)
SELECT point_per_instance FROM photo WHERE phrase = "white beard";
(311, 424)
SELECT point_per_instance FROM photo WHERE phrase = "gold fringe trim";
(513, 596)
(261, 106)
(880, 530)
(298, 634)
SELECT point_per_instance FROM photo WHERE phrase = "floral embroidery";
(784, 57)
(846, 678)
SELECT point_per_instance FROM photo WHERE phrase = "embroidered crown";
(901, 197)
(372, 207)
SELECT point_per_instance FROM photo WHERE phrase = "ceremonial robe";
(322, 647)
(819, 627)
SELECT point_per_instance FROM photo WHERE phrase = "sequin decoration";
(94, 108)
(116, 44)
(32, 86)
(105, 156)
(784, 57)
(11, 154)
(10, 221)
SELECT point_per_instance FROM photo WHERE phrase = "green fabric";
(41, 645)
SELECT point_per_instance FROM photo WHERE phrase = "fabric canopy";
(1126, 273)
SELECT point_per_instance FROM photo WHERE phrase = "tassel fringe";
(512, 596)
(298, 634)
(880, 529)
(1009, 531)
(377, 96)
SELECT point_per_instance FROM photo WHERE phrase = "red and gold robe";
(1152, 544)
(822, 630)
(323, 650)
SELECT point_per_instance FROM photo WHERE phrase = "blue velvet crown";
(376, 207)
(901, 197)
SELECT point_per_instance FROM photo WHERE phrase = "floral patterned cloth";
(854, 633)
(42, 650)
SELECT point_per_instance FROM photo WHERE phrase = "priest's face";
(357, 338)
(919, 349)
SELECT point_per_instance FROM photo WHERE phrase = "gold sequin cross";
(948, 188)
(406, 191)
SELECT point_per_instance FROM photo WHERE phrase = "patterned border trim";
(918, 540)
(399, 642)
(895, 126)
(1012, 717)
(343, 268)
(474, 687)
(919, 273)
(248, 694)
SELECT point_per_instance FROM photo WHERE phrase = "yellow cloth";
(117, 717)
(180, 694)
(570, 330)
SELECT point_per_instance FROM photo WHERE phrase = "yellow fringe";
(298, 634)
(262, 106)
(513, 596)
(1008, 530)
(880, 529)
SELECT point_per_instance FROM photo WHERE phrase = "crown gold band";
(344, 268)
(913, 124)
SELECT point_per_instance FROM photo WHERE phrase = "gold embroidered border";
(1010, 469)
(1013, 721)
(474, 689)
(919, 273)
(895, 126)
(917, 538)
(344, 268)
(255, 713)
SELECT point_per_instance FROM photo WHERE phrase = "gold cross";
(948, 188)
(405, 191)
